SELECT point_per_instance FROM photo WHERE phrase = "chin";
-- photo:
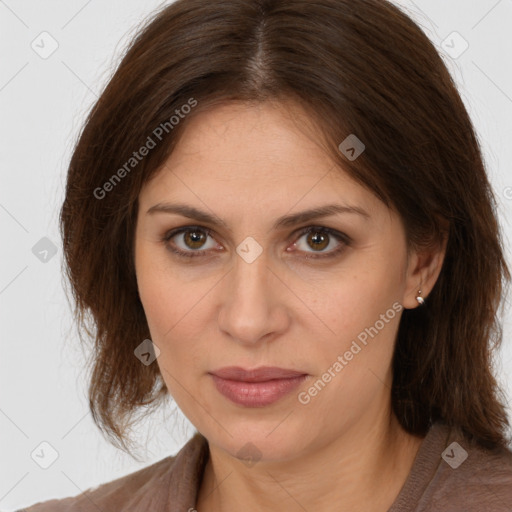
(265, 440)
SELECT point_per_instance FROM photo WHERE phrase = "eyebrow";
(283, 222)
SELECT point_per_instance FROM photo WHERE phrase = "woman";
(277, 213)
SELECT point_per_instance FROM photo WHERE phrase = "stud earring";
(420, 299)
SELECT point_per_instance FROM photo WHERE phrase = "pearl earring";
(420, 299)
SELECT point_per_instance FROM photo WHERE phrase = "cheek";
(360, 312)
(167, 322)
(354, 357)
(356, 299)
(156, 300)
(173, 306)
(160, 289)
(157, 292)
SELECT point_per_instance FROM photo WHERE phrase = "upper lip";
(261, 374)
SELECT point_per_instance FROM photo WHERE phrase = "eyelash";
(341, 237)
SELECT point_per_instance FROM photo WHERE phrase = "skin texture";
(249, 165)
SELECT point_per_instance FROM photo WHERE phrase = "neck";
(361, 470)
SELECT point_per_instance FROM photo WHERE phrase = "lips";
(256, 388)
(262, 374)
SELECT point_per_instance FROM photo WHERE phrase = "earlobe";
(418, 301)
(424, 269)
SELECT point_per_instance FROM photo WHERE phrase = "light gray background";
(43, 103)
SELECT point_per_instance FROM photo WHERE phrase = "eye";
(320, 238)
(192, 242)
(193, 237)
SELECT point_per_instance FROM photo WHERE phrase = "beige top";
(448, 474)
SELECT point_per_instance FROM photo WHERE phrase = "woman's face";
(250, 297)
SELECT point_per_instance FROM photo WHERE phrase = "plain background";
(43, 102)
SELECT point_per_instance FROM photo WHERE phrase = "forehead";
(259, 158)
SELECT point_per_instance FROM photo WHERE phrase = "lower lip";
(256, 394)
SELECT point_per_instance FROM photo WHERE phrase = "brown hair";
(358, 67)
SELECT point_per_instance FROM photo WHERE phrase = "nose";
(253, 308)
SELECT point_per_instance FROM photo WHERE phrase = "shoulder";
(145, 489)
(111, 494)
(471, 478)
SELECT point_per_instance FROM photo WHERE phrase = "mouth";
(256, 388)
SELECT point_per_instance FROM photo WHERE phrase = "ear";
(423, 268)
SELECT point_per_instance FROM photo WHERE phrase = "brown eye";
(317, 240)
(194, 239)
(188, 241)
